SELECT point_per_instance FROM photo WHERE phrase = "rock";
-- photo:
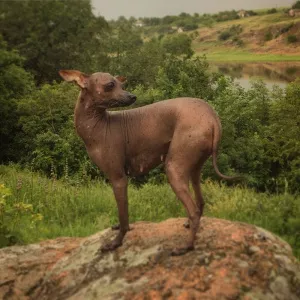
(280, 287)
(231, 260)
(253, 249)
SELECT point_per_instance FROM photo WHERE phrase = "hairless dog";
(181, 133)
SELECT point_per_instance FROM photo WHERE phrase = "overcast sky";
(112, 9)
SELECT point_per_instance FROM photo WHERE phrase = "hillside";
(263, 35)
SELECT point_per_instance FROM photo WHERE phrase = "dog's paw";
(115, 227)
(110, 246)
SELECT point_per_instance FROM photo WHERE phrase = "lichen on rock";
(231, 260)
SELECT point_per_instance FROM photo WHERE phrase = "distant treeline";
(261, 127)
(187, 22)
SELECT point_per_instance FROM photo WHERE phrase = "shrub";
(239, 42)
(268, 36)
(233, 31)
(225, 35)
(179, 44)
(226, 16)
(190, 26)
(251, 13)
(272, 11)
(286, 28)
(236, 29)
(292, 39)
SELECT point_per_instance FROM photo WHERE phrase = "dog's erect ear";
(73, 75)
(122, 79)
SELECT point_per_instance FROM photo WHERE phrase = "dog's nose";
(133, 97)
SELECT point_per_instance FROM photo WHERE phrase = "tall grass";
(80, 209)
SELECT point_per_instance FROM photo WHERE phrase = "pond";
(279, 73)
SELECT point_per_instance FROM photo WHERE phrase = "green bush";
(268, 36)
(226, 16)
(190, 26)
(233, 31)
(272, 11)
(252, 13)
(292, 39)
(286, 28)
(236, 29)
(239, 42)
(178, 44)
(225, 35)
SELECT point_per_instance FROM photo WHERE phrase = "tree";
(284, 136)
(48, 136)
(242, 147)
(296, 5)
(167, 20)
(179, 77)
(15, 82)
(179, 44)
(57, 35)
(139, 64)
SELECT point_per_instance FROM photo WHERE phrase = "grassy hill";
(256, 38)
(263, 35)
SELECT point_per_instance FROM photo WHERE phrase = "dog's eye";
(109, 86)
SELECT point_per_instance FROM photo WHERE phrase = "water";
(279, 73)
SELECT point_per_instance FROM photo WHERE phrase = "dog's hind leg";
(195, 179)
(180, 185)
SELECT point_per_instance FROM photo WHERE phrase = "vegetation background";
(50, 188)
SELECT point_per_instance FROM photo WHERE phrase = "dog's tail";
(216, 134)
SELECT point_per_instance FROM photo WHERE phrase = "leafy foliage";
(268, 36)
(233, 32)
(272, 11)
(15, 82)
(37, 127)
(291, 39)
(57, 35)
(296, 5)
(177, 45)
(226, 16)
(13, 213)
(284, 133)
(48, 135)
(225, 35)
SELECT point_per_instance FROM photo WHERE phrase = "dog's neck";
(87, 115)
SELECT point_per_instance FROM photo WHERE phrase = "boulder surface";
(231, 260)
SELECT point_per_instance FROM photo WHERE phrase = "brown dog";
(181, 132)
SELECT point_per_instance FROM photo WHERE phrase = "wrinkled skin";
(181, 133)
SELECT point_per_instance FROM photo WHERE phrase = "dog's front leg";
(120, 191)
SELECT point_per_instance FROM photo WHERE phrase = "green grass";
(83, 209)
(227, 55)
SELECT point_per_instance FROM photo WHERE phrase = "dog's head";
(103, 89)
